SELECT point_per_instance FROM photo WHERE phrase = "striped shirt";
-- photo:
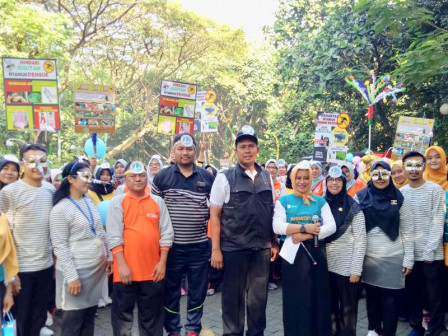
(379, 245)
(187, 200)
(428, 209)
(345, 255)
(28, 211)
(75, 244)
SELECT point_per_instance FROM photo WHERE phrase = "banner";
(94, 108)
(31, 94)
(331, 136)
(176, 108)
(206, 119)
(412, 134)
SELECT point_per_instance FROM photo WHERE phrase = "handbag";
(8, 325)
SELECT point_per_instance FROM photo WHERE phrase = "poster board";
(206, 118)
(31, 94)
(412, 134)
(331, 136)
(94, 106)
(176, 107)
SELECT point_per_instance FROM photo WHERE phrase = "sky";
(251, 15)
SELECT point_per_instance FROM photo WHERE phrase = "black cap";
(247, 132)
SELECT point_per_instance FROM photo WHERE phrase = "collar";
(146, 195)
(177, 170)
(243, 171)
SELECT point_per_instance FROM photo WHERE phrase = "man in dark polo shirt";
(185, 189)
(243, 243)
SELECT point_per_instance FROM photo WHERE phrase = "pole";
(59, 145)
(370, 135)
(370, 121)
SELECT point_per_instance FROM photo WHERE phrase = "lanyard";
(91, 221)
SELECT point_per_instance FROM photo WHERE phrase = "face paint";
(414, 165)
(85, 176)
(379, 174)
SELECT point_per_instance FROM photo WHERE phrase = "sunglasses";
(379, 174)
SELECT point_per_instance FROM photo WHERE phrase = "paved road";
(212, 323)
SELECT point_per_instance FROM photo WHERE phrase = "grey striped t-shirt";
(28, 211)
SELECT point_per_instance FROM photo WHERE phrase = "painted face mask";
(379, 174)
(36, 161)
(414, 165)
(85, 176)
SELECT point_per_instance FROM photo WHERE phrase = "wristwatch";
(302, 229)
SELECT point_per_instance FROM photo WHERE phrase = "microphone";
(316, 220)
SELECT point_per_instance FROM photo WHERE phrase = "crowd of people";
(88, 235)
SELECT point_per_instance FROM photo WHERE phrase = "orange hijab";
(306, 196)
(438, 176)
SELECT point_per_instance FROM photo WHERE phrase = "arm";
(282, 227)
(201, 157)
(215, 228)
(329, 225)
(160, 268)
(360, 243)
(114, 223)
(406, 233)
(165, 226)
(436, 225)
(4, 201)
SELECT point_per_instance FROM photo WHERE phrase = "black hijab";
(343, 208)
(381, 207)
(288, 183)
(101, 188)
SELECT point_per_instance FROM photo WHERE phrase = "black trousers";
(382, 309)
(149, 298)
(245, 279)
(306, 294)
(194, 261)
(424, 288)
(30, 308)
(79, 322)
(344, 304)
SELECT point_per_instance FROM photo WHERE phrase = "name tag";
(200, 184)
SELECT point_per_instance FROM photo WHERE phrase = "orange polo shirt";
(357, 186)
(141, 237)
(318, 189)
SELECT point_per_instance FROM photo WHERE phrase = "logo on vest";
(151, 215)
(393, 202)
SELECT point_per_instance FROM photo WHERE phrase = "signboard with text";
(412, 134)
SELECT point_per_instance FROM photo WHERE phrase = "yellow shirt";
(96, 199)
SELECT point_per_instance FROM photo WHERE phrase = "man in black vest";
(243, 243)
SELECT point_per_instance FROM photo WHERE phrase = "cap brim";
(246, 137)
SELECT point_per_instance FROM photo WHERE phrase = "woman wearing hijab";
(102, 189)
(390, 248)
(80, 245)
(212, 169)
(306, 291)
(155, 165)
(56, 177)
(9, 170)
(398, 176)
(436, 170)
(118, 176)
(318, 183)
(345, 253)
(279, 187)
(353, 185)
(288, 183)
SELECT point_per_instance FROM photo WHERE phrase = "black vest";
(246, 220)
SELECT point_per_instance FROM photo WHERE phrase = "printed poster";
(412, 134)
(177, 105)
(206, 119)
(94, 108)
(31, 94)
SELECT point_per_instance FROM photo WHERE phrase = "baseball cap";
(247, 132)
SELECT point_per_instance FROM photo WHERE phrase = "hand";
(125, 274)
(274, 253)
(110, 268)
(8, 302)
(16, 285)
(74, 287)
(300, 237)
(312, 228)
(159, 271)
(203, 146)
(217, 260)
(354, 278)
(114, 184)
(407, 271)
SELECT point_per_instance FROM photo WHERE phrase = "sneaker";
(372, 333)
(210, 292)
(107, 300)
(192, 333)
(425, 320)
(272, 286)
(413, 333)
(182, 292)
(46, 332)
(49, 321)
(101, 303)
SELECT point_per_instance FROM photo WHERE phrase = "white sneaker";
(49, 321)
(101, 303)
(272, 286)
(107, 300)
(46, 332)
(372, 333)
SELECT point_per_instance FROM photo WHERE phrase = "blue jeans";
(194, 261)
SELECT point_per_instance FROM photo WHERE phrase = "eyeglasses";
(379, 174)
(334, 180)
(414, 165)
(85, 176)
